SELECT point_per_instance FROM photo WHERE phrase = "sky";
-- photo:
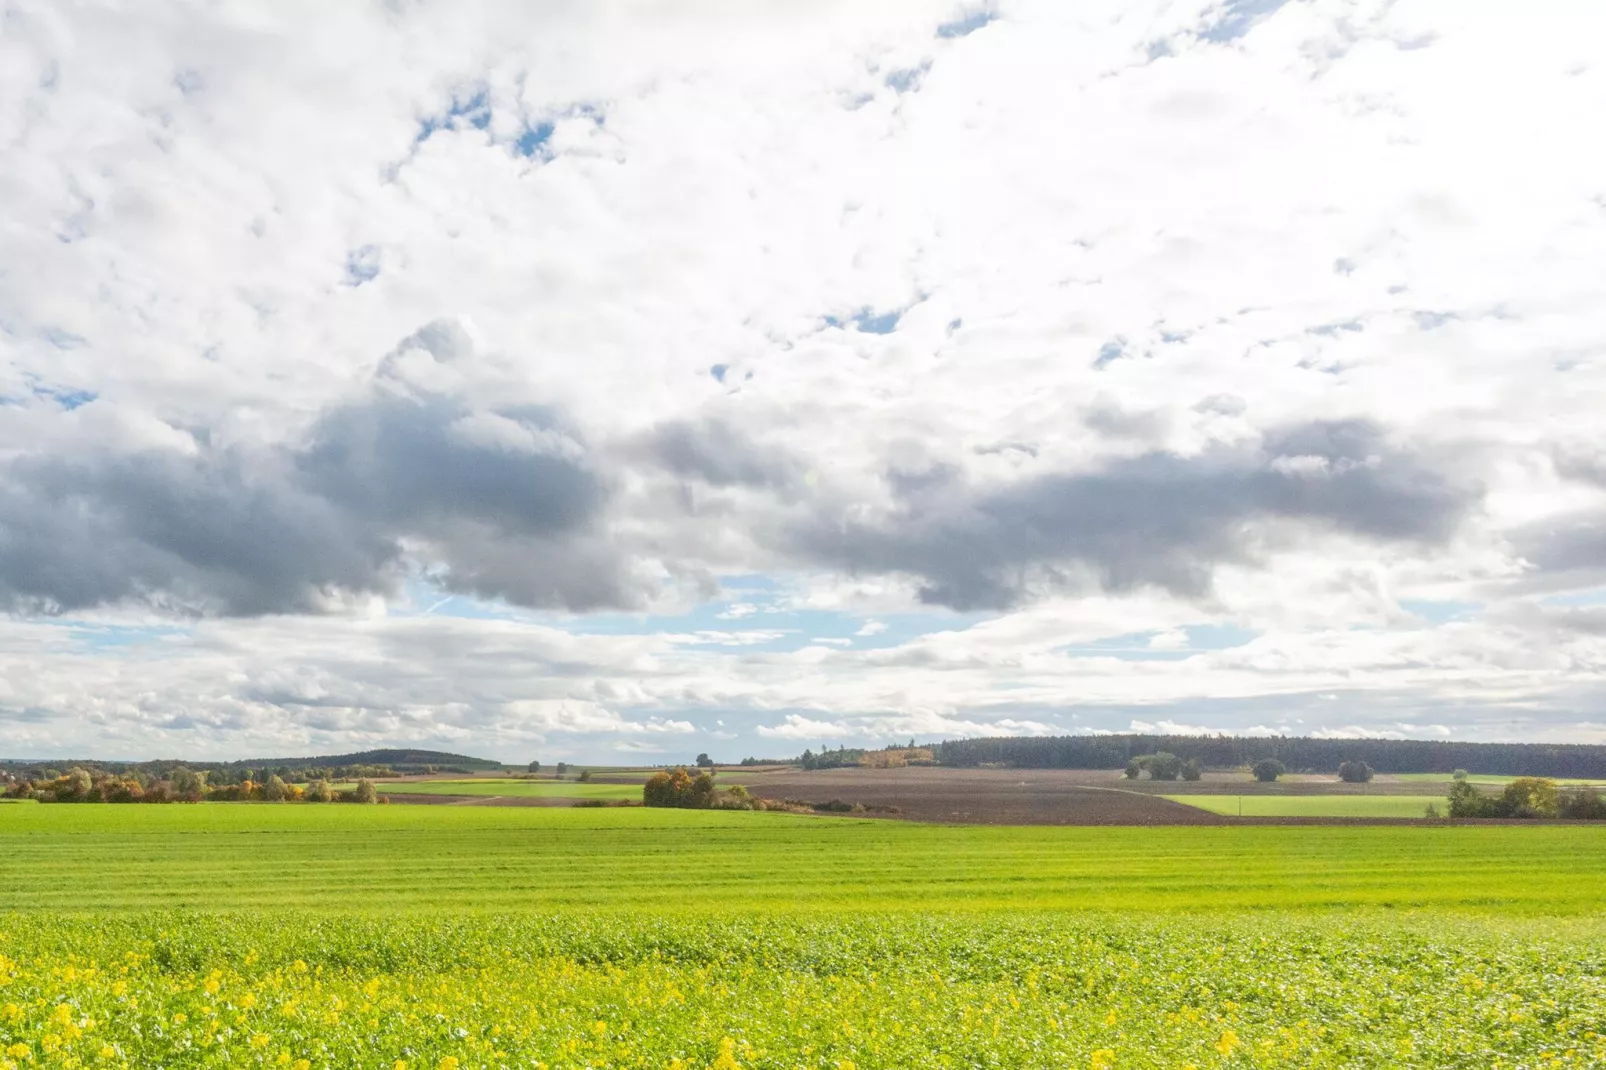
(616, 382)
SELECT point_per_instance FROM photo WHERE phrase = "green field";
(1479, 778)
(517, 789)
(346, 936)
(1314, 805)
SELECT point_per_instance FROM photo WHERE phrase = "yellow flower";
(448, 1063)
(302, 1064)
(1229, 1040)
(726, 1059)
(1104, 1059)
(248, 1001)
(399, 1064)
(62, 1014)
(180, 1019)
(259, 1040)
(107, 1051)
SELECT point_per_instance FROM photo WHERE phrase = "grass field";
(1478, 778)
(516, 789)
(1313, 805)
(459, 937)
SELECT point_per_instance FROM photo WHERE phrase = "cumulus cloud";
(1265, 352)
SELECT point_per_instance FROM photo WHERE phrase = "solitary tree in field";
(563, 767)
(534, 767)
(1354, 772)
(704, 761)
(1164, 766)
(1267, 770)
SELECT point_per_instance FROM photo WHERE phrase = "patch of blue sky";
(69, 398)
(1595, 596)
(103, 637)
(966, 24)
(1441, 612)
(1135, 646)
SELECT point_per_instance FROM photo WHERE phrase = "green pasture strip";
(1313, 805)
(1483, 778)
(517, 789)
(344, 858)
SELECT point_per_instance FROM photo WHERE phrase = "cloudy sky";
(620, 381)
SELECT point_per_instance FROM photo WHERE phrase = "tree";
(1459, 774)
(704, 761)
(275, 790)
(1585, 804)
(78, 786)
(585, 776)
(320, 791)
(187, 783)
(1133, 768)
(563, 767)
(365, 791)
(1191, 770)
(534, 767)
(1530, 796)
(1164, 766)
(1468, 801)
(1267, 770)
(1354, 772)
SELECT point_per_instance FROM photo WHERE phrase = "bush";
(320, 791)
(1133, 768)
(1164, 766)
(679, 788)
(1191, 770)
(365, 792)
(1432, 810)
(1267, 770)
(585, 776)
(1354, 772)
(275, 790)
(1531, 797)
(1459, 774)
(1584, 804)
(1468, 801)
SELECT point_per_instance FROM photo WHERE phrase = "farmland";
(1267, 805)
(510, 789)
(247, 935)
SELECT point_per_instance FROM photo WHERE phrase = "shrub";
(679, 788)
(365, 792)
(1191, 770)
(320, 791)
(1354, 772)
(1468, 801)
(1531, 797)
(274, 790)
(1133, 768)
(585, 776)
(1268, 770)
(1164, 766)
(1459, 774)
(1432, 810)
(1585, 804)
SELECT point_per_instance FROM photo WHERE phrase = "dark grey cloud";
(715, 453)
(498, 502)
(1158, 519)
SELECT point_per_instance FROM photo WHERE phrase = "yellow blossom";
(1229, 1040)
(1103, 1059)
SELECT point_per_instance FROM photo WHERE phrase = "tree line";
(181, 784)
(1297, 754)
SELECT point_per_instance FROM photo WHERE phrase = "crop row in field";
(1313, 805)
(908, 990)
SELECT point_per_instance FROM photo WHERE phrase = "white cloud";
(669, 247)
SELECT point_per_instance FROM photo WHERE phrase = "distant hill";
(400, 760)
(360, 764)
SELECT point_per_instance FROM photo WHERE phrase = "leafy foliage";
(1354, 772)
(1267, 770)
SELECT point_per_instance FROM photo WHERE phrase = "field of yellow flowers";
(579, 990)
